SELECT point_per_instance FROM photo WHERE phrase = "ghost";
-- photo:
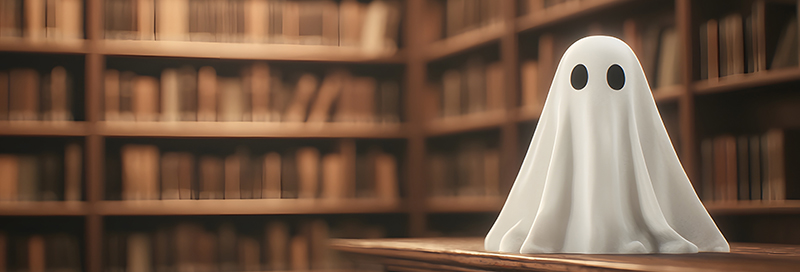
(601, 175)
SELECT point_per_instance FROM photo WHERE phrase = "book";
(172, 19)
(146, 19)
(60, 94)
(233, 177)
(668, 59)
(145, 98)
(707, 169)
(186, 176)
(330, 23)
(310, 22)
(126, 96)
(111, 99)
(256, 21)
(318, 236)
(743, 167)
(35, 20)
(227, 247)
(374, 32)
(249, 252)
(207, 94)
(4, 92)
(271, 176)
(169, 176)
(73, 172)
(712, 34)
(329, 91)
(298, 252)
(305, 89)
(451, 92)
(69, 19)
(259, 84)
(725, 168)
(29, 179)
(231, 99)
(36, 253)
(529, 78)
(333, 177)
(11, 19)
(289, 177)
(246, 175)
(755, 167)
(291, 22)
(9, 175)
(389, 102)
(364, 95)
(351, 22)
(24, 94)
(51, 177)
(187, 84)
(212, 177)
(139, 253)
(773, 165)
(140, 172)
(474, 80)
(386, 177)
(495, 85)
(308, 160)
(276, 235)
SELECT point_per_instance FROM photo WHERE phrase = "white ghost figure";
(601, 175)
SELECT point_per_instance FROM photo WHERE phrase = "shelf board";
(247, 51)
(669, 93)
(743, 81)
(563, 12)
(465, 204)
(464, 41)
(44, 46)
(465, 123)
(42, 208)
(42, 128)
(753, 207)
(247, 207)
(250, 130)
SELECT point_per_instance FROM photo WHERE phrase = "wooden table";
(467, 254)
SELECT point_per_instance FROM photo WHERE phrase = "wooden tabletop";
(467, 254)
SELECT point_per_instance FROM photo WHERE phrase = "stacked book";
(372, 26)
(473, 88)
(27, 95)
(189, 246)
(748, 167)
(40, 252)
(465, 15)
(260, 94)
(49, 176)
(38, 20)
(472, 169)
(297, 173)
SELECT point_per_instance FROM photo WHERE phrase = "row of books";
(260, 94)
(38, 20)
(746, 167)
(27, 95)
(188, 246)
(302, 173)
(40, 252)
(475, 87)
(472, 169)
(48, 176)
(373, 26)
(734, 45)
(465, 15)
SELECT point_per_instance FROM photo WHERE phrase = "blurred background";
(239, 135)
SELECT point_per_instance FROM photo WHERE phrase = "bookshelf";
(509, 40)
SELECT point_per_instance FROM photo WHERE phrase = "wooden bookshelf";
(245, 51)
(247, 207)
(21, 45)
(418, 50)
(43, 208)
(465, 123)
(249, 130)
(564, 12)
(43, 128)
(465, 41)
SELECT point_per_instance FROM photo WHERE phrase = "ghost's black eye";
(615, 77)
(579, 77)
